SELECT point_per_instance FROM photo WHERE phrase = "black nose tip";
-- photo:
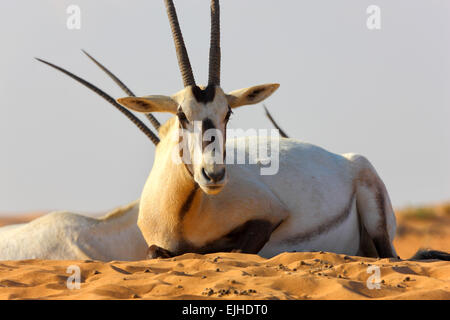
(214, 176)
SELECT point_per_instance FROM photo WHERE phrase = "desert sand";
(301, 275)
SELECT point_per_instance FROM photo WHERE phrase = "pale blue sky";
(384, 94)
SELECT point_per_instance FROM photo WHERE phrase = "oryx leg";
(374, 207)
(154, 252)
(366, 246)
(247, 238)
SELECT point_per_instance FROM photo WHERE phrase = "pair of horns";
(183, 61)
(180, 47)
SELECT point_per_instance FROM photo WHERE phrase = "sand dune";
(422, 227)
(306, 275)
(230, 276)
(7, 219)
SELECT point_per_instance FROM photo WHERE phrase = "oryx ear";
(251, 95)
(149, 104)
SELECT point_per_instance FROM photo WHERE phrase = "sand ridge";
(308, 275)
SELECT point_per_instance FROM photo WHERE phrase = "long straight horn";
(182, 55)
(146, 130)
(275, 124)
(214, 50)
(122, 86)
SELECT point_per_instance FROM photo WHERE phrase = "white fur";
(70, 236)
(312, 187)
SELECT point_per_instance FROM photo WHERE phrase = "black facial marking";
(206, 95)
(182, 117)
(206, 125)
(224, 145)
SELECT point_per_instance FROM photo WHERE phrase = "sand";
(228, 276)
(307, 275)
(7, 219)
(426, 227)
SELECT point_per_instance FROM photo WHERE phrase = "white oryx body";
(317, 201)
(332, 200)
(324, 202)
(319, 215)
(194, 202)
(70, 236)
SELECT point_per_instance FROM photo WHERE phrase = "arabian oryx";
(318, 200)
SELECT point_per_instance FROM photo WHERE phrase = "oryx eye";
(182, 116)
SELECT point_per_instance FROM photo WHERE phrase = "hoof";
(155, 252)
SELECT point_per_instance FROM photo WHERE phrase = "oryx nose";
(214, 176)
